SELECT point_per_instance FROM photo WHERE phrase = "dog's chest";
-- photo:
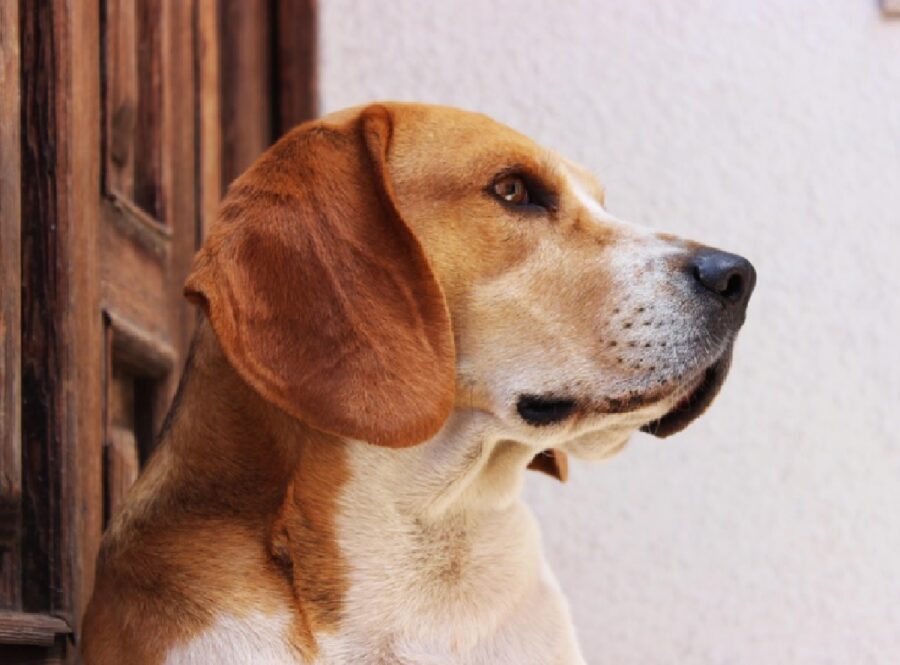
(418, 596)
(538, 632)
(258, 638)
(459, 592)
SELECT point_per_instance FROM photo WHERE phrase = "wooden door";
(130, 118)
(150, 220)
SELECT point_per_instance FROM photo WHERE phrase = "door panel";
(125, 113)
(149, 222)
(59, 359)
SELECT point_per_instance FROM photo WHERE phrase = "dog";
(404, 307)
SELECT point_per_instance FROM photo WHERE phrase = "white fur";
(445, 561)
(257, 638)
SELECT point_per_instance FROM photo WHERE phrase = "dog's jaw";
(693, 401)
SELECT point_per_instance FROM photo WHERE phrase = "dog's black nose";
(729, 276)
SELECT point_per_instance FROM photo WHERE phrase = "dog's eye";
(523, 192)
(513, 190)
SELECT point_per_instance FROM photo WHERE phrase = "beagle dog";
(404, 308)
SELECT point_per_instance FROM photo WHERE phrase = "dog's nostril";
(734, 287)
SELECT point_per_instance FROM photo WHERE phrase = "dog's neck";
(439, 547)
(336, 512)
(221, 438)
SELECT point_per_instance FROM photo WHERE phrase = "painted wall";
(770, 531)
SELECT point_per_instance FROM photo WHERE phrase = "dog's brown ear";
(553, 462)
(319, 293)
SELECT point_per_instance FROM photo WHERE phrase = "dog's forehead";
(453, 141)
(434, 143)
(474, 138)
(428, 121)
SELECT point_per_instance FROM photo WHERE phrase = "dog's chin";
(694, 401)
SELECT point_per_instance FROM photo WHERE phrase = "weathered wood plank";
(81, 414)
(10, 309)
(138, 351)
(184, 188)
(132, 272)
(209, 164)
(34, 629)
(61, 326)
(42, 337)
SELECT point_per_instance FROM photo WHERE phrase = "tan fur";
(340, 480)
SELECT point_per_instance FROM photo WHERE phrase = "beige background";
(770, 531)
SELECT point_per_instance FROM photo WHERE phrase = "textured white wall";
(769, 532)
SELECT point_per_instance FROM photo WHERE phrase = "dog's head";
(378, 267)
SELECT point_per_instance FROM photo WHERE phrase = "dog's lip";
(695, 401)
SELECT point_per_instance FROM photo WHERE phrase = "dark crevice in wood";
(42, 293)
(272, 73)
(243, 70)
(294, 89)
(104, 97)
(196, 46)
(148, 191)
(34, 655)
(145, 401)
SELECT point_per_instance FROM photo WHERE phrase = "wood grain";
(295, 91)
(79, 418)
(121, 92)
(42, 336)
(10, 309)
(149, 190)
(122, 466)
(209, 159)
(245, 77)
(34, 629)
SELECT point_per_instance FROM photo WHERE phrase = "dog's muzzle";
(729, 279)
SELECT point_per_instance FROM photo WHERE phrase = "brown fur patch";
(194, 541)
(303, 535)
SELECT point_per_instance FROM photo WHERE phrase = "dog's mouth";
(540, 410)
(692, 405)
(690, 401)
